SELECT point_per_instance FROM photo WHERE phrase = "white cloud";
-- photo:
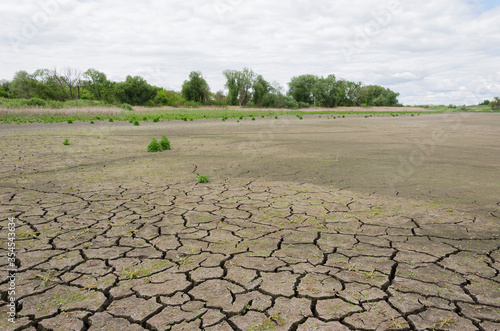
(426, 50)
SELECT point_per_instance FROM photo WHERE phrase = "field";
(312, 220)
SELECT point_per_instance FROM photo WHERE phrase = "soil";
(328, 224)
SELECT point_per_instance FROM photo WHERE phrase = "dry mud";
(110, 237)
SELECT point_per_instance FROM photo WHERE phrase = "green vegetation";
(136, 123)
(154, 146)
(202, 179)
(126, 106)
(66, 142)
(158, 146)
(196, 88)
(55, 88)
(58, 116)
(165, 143)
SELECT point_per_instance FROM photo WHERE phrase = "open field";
(355, 223)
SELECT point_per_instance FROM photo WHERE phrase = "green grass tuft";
(165, 143)
(154, 146)
(202, 179)
(66, 142)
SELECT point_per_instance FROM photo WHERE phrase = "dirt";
(306, 224)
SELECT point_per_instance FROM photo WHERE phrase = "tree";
(4, 88)
(301, 88)
(348, 93)
(325, 91)
(196, 88)
(69, 82)
(98, 85)
(495, 104)
(260, 88)
(374, 95)
(134, 91)
(23, 85)
(239, 84)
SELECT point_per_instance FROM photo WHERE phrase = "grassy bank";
(42, 115)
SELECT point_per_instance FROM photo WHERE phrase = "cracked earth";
(244, 254)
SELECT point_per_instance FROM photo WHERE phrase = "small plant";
(92, 122)
(126, 106)
(165, 143)
(66, 142)
(253, 118)
(154, 146)
(70, 121)
(202, 179)
(156, 120)
(110, 120)
(136, 123)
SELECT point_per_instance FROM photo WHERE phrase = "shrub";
(165, 143)
(36, 102)
(304, 104)
(154, 146)
(202, 179)
(110, 120)
(91, 122)
(136, 123)
(126, 106)
(156, 120)
(70, 121)
(66, 142)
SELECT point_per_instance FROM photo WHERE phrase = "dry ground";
(316, 224)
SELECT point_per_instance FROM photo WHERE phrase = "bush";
(304, 104)
(154, 146)
(66, 142)
(126, 106)
(36, 102)
(149, 103)
(165, 143)
(136, 123)
(202, 179)
(70, 121)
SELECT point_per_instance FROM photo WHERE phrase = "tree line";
(244, 88)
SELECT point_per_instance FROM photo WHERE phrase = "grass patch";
(165, 143)
(66, 142)
(44, 115)
(202, 179)
(154, 146)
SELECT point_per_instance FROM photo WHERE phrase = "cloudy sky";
(431, 51)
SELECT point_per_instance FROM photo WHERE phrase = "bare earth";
(374, 223)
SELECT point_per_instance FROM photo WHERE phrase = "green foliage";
(136, 123)
(165, 143)
(98, 86)
(154, 146)
(134, 91)
(36, 102)
(374, 95)
(301, 88)
(66, 142)
(239, 84)
(92, 122)
(202, 179)
(126, 106)
(196, 88)
(495, 104)
(70, 121)
(279, 100)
